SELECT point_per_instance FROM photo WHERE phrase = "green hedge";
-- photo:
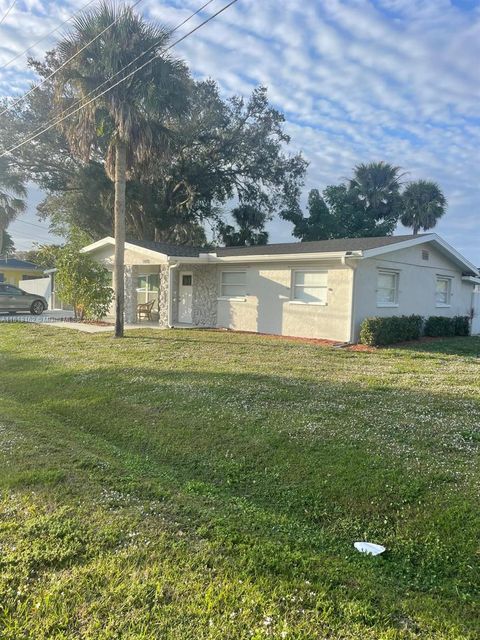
(440, 326)
(381, 331)
(377, 332)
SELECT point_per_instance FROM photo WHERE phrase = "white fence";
(476, 314)
(39, 286)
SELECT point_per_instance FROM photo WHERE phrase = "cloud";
(358, 80)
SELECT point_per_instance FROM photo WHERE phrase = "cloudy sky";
(358, 80)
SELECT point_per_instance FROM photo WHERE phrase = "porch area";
(170, 295)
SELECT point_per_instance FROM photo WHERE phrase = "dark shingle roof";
(168, 249)
(14, 263)
(320, 246)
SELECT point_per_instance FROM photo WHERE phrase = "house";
(14, 271)
(318, 289)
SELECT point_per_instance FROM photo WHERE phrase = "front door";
(185, 298)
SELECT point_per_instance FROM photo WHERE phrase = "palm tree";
(133, 122)
(424, 203)
(12, 192)
(251, 227)
(377, 186)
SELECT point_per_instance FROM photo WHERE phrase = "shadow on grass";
(459, 346)
(280, 468)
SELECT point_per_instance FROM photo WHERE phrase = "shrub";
(462, 325)
(382, 331)
(83, 283)
(437, 326)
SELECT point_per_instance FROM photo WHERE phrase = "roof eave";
(288, 257)
(443, 246)
(109, 241)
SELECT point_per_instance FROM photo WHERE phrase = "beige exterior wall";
(416, 285)
(268, 306)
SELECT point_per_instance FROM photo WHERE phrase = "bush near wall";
(377, 332)
(437, 326)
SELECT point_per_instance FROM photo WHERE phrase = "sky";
(357, 80)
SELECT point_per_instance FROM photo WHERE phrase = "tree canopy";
(370, 203)
(219, 150)
(249, 230)
(12, 194)
(423, 205)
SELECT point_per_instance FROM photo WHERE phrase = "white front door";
(185, 298)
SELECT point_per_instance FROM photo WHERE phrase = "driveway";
(55, 315)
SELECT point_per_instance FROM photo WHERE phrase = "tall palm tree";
(133, 122)
(12, 192)
(377, 186)
(424, 203)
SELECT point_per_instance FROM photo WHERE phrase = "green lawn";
(192, 485)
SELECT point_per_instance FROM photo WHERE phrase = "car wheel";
(37, 308)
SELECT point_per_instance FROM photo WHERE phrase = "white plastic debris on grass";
(369, 547)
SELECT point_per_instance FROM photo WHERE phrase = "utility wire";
(80, 100)
(141, 55)
(32, 224)
(54, 124)
(40, 84)
(47, 35)
(8, 11)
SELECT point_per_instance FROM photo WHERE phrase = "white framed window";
(387, 288)
(310, 287)
(443, 291)
(233, 284)
(147, 287)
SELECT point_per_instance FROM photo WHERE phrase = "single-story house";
(318, 289)
(14, 271)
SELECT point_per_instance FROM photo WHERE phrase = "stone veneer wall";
(130, 279)
(204, 306)
(163, 296)
(174, 298)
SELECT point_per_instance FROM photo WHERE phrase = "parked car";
(13, 299)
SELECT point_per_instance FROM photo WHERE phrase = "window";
(186, 280)
(387, 288)
(233, 284)
(443, 291)
(425, 255)
(10, 290)
(310, 286)
(147, 287)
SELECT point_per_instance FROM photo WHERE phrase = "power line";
(19, 55)
(80, 100)
(8, 11)
(40, 84)
(32, 224)
(54, 124)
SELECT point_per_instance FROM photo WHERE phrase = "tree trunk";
(1, 239)
(120, 171)
(416, 229)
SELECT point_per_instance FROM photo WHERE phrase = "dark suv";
(13, 299)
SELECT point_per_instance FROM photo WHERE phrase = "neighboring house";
(318, 289)
(13, 271)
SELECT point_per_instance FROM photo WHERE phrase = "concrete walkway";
(97, 328)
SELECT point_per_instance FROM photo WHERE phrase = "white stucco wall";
(417, 283)
(268, 308)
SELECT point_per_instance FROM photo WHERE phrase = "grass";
(202, 485)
